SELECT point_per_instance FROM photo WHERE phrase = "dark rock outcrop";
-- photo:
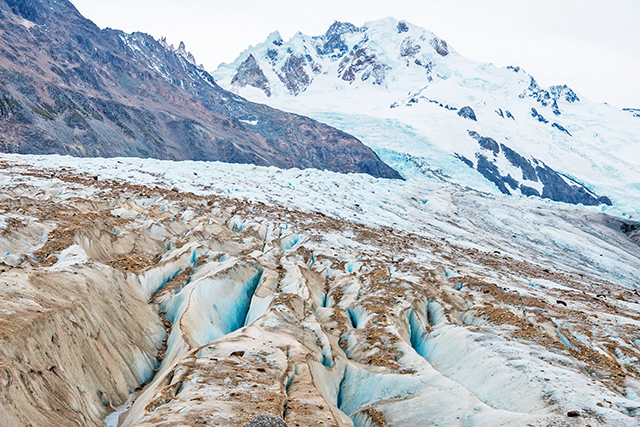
(561, 128)
(485, 142)
(506, 114)
(631, 229)
(489, 144)
(634, 111)
(529, 191)
(250, 74)
(409, 47)
(550, 97)
(293, 74)
(556, 186)
(558, 189)
(563, 92)
(266, 420)
(272, 56)
(332, 42)
(427, 65)
(528, 171)
(364, 62)
(70, 88)
(464, 159)
(440, 46)
(490, 171)
(536, 115)
(468, 113)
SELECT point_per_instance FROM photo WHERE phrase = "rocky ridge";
(70, 88)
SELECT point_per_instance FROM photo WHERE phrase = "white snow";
(419, 136)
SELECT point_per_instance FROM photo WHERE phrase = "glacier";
(344, 298)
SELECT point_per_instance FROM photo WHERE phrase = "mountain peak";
(391, 68)
(182, 51)
(339, 28)
(250, 74)
(369, 55)
(332, 42)
(41, 12)
(275, 38)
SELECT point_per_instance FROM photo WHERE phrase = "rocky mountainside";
(68, 87)
(425, 109)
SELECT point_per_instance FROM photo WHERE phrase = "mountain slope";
(70, 88)
(448, 113)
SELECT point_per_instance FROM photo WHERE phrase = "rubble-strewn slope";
(68, 87)
(316, 319)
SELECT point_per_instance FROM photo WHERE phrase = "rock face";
(332, 43)
(402, 27)
(535, 173)
(551, 96)
(409, 47)
(70, 88)
(440, 46)
(250, 74)
(293, 74)
(362, 62)
(468, 113)
(538, 116)
(266, 420)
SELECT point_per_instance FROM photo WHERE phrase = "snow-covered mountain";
(425, 109)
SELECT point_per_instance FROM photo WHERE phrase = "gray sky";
(591, 45)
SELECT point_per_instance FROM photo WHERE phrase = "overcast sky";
(591, 45)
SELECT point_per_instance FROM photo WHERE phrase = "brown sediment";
(377, 417)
